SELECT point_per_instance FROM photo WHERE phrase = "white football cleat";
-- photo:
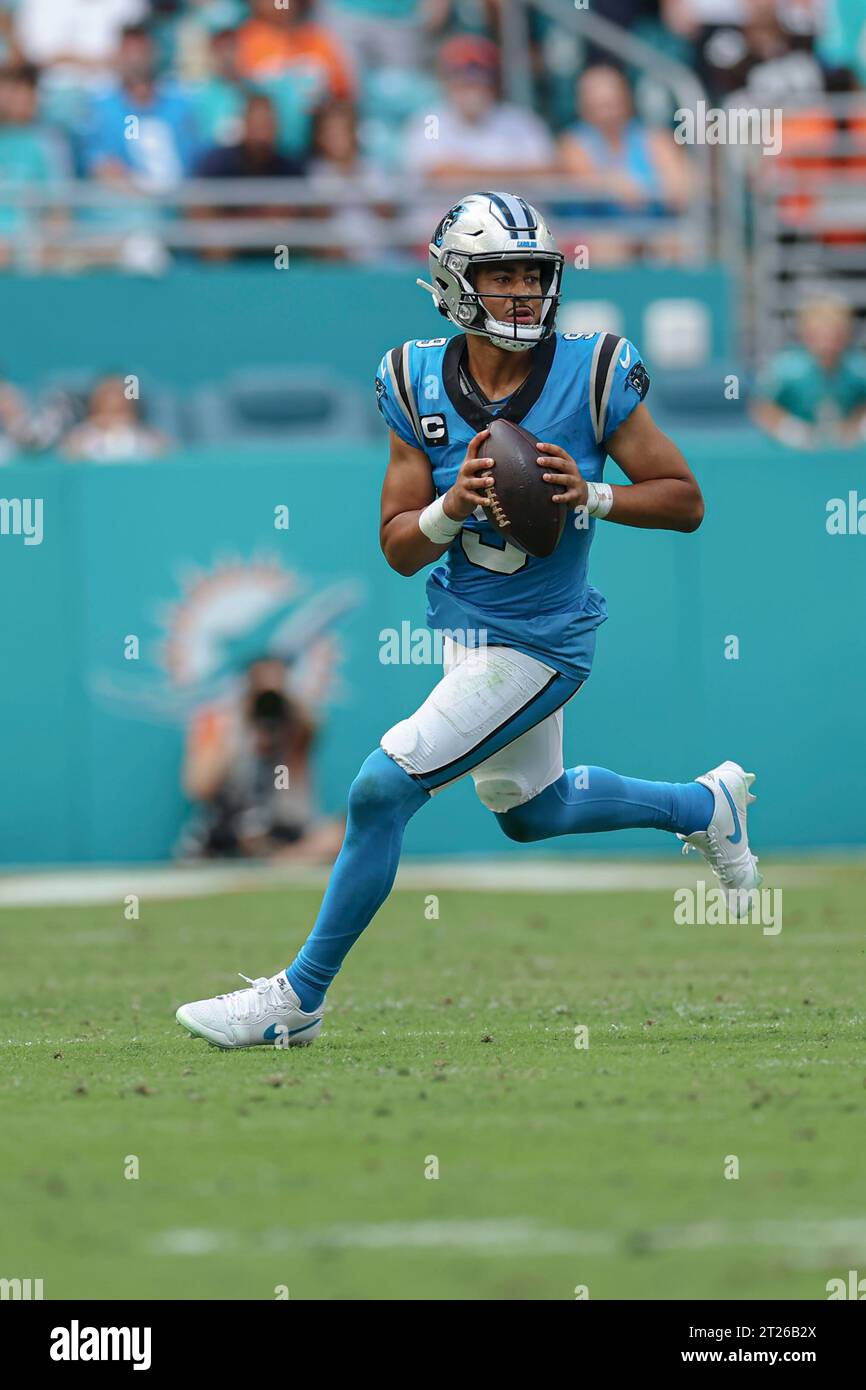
(725, 842)
(268, 1014)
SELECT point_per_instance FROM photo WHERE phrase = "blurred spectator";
(274, 42)
(384, 33)
(196, 29)
(249, 768)
(14, 421)
(220, 100)
(26, 428)
(80, 35)
(336, 155)
(751, 45)
(815, 393)
(635, 168)
(8, 44)
(255, 156)
(220, 97)
(474, 134)
(690, 16)
(141, 133)
(335, 141)
(31, 152)
(113, 430)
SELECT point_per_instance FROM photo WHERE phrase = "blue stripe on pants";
(557, 692)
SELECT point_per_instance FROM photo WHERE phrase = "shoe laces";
(244, 1004)
(712, 851)
(719, 861)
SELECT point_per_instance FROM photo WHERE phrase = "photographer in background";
(249, 768)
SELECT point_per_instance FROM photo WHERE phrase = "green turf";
(455, 1038)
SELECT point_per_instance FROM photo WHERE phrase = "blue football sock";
(592, 798)
(382, 800)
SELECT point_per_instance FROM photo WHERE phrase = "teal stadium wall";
(90, 744)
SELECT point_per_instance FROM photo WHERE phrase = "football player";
(527, 626)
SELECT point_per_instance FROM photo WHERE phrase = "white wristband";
(437, 525)
(599, 499)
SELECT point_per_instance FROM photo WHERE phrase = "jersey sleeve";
(856, 365)
(395, 396)
(618, 382)
(776, 378)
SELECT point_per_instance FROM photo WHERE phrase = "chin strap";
(498, 328)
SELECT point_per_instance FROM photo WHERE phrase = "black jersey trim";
(469, 406)
(600, 368)
(396, 361)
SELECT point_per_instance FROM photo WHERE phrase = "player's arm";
(664, 492)
(408, 490)
(663, 495)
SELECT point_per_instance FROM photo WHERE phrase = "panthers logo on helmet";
(447, 223)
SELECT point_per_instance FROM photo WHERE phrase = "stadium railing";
(795, 223)
(53, 223)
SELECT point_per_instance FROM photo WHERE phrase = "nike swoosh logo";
(625, 359)
(278, 1030)
(737, 837)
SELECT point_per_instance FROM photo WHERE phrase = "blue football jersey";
(580, 388)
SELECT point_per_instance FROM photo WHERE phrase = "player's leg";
(286, 1009)
(534, 798)
(487, 698)
(585, 799)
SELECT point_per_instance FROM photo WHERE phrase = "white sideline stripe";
(836, 1236)
(91, 887)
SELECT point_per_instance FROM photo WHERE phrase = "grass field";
(452, 1038)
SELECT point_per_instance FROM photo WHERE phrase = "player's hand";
(567, 476)
(475, 476)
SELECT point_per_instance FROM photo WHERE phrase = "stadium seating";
(268, 404)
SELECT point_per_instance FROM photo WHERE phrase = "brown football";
(519, 505)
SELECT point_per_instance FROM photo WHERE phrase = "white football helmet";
(489, 227)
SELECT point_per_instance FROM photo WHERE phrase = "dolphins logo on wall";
(223, 619)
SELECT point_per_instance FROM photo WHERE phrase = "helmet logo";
(447, 223)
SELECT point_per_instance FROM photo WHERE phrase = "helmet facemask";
(509, 333)
(488, 229)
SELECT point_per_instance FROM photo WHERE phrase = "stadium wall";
(197, 323)
(91, 740)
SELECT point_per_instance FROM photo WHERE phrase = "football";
(520, 505)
